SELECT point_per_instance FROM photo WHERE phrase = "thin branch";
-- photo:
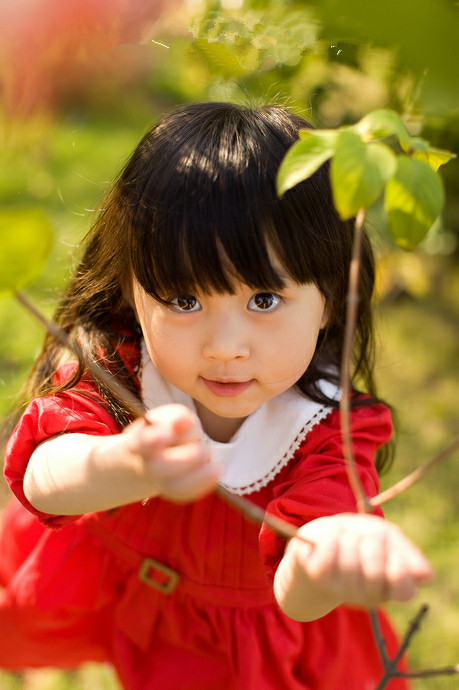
(136, 409)
(259, 516)
(431, 673)
(391, 665)
(415, 476)
(363, 503)
(413, 628)
(379, 637)
(132, 405)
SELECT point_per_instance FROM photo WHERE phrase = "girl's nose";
(226, 340)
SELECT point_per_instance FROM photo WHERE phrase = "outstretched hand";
(361, 560)
(168, 441)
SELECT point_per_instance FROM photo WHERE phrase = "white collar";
(265, 442)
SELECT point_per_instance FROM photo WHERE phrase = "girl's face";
(232, 352)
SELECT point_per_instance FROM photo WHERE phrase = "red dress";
(180, 596)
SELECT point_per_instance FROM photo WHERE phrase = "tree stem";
(363, 503)
(415, 476)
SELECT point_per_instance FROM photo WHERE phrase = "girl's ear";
(325, 315)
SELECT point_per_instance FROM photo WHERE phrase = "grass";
(88, 677)
(419, 374)
(63, 169)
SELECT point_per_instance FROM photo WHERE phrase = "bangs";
(204, 247)
(203, 209)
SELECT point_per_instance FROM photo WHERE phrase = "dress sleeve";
(316, 482)
(67, 412)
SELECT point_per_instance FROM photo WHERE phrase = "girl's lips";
(227, 389)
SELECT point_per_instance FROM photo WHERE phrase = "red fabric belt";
(162, 577)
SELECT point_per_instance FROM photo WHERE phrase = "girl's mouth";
(227, 389)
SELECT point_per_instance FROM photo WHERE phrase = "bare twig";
(363, 503)
(379, 638)
(136, 409)
(415, 476)
(412, 630)
(258, 515)
(431, 673)
(390, 666)
(132, 405)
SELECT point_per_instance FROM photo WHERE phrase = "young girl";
(221, 307)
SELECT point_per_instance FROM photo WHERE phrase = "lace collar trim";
(265, 442)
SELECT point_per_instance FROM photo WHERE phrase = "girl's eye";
(265, 301)
(186, 303)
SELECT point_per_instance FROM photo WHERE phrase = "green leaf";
(383, 123)
(330, 134)
(417, 144)
(414, 198)
(25, 241)
(359, 173)
(305, 157)
(386, 123)
(434, 157)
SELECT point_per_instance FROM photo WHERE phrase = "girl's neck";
(221, 429)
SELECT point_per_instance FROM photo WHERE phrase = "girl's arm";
(360, 560)
(78, 473)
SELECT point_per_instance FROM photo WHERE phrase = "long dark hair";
(199, 190)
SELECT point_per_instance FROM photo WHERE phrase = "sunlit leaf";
(383, 123)
(359, 172)
(25, 242)
(305, 157)
(416, 144)
(413, 200)
(330, 135)
(434, 157)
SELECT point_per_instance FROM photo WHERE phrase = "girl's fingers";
(363, 560)
(178, 460)
(173, 426)
(373, 560)
(171, 455)
(406, 567)
(180, 422)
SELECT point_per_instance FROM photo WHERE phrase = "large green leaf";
(413, 200)
(386, 123)
(305, 157)
(359, 173)
(383, 123)
(25, 242)
(434, 157)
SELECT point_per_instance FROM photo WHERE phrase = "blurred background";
(82, 80)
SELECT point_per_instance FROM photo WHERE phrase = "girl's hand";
(360, 560)
(168, 443)
(73, 474)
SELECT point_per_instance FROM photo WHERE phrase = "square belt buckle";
(166, 579)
